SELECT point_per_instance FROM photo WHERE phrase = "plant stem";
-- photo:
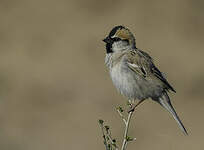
(126, 130)
(121, 115)
(104, 137)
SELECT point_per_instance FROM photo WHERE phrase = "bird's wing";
(134, 63)
(140, 62)
(160, 76)
(137, 62)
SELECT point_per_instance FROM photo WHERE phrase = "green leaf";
(120, 109)
(129, 139)
(100, 121)
(107, 128)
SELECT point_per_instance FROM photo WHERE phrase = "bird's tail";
(166, 103)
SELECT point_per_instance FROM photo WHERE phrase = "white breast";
(127, 82)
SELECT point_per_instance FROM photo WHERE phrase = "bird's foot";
(132, 107)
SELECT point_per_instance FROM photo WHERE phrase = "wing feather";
(140, 62)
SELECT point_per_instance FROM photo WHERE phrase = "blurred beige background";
(54, 85)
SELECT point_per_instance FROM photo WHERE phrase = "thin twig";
(109, 137)
(121, 115)
(126, 131)
(112, 142)
(109, 142)
(104, 137)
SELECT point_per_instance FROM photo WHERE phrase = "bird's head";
(120, 38)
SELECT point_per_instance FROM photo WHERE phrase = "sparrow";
(134, 73)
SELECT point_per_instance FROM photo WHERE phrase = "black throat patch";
(109, 45)
(109, 48)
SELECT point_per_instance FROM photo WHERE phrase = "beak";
(107, 40)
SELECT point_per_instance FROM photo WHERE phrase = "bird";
(134, 73)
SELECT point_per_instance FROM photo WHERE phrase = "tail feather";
(166, 103)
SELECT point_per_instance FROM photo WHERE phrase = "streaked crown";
(123, 33)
